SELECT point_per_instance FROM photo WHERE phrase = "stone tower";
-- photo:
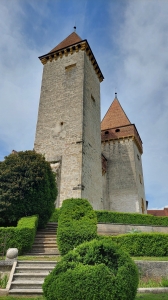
(68, 128)
(123, 185)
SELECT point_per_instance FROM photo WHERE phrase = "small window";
(142, 206)
(92, 98)
(106, 132)
(140, 178)
(61, 123)
(117, 130)
(138, 157)
(68, 68)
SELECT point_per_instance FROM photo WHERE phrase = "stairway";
(29, 277)
(45, 242)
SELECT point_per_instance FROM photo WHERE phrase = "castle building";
(97, 161)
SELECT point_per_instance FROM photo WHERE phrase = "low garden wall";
(152, 269)
(115, 229)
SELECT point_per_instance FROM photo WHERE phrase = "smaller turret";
(123, 189)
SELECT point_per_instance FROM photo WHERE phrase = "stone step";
(45, 236)
(27, 284)
(33, 269)
(44, 251)
(36, 263)
(45, 245)
(27, 276)
(45, 239)
(42, 254)
(26, 291)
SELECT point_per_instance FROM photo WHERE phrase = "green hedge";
(104, 216)
(77, 223)
(143, 244)
(55, 215)
(94, 270)
(20, 237)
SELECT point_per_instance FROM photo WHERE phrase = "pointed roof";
(115, 116)
(71, 39)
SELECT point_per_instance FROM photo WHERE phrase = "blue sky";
(130, 42)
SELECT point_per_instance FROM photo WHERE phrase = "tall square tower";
(68, 128)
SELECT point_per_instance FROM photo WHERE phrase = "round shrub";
(77, 223)
(94, 270)
(27, 187)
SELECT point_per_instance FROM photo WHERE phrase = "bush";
(94, 270)
(55, 215)
(130, 218)
(77, 223)
(20, 237)
(143, 244)
(27, 187)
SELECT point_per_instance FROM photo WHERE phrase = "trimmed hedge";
(20, 237)
(55, 215)
(104, 216)
(94, 270)
(77, 223)
(143, 244)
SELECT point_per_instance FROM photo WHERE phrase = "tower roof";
(115, 116)
(71, 39)
(73, 43)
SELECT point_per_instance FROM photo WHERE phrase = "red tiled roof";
(121, 132)
(115, 116)
(158, 212)
(73, 38)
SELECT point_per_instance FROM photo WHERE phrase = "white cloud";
(142, 73)
(19, 80)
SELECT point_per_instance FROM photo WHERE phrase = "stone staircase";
(29, 276)
(45, 242)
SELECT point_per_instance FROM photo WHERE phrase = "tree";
(27, 187)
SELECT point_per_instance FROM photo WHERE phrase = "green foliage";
(77, 223)
(143, 244)
(20, 237)
(3, 281)
(55, 215)
(27, 187)
(104, 216)
(164, 282)
(94, 270)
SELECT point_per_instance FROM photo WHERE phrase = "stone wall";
(152, 269)
(115, 229)
(124, 170)
(91, 162)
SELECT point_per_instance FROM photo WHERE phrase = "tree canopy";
(27, 187)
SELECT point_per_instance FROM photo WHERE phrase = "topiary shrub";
(94, 270)
(27, 187)
(77, 223)
(21, 237)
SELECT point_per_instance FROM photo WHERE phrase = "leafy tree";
(27, 187)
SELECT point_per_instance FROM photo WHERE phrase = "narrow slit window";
(92, 98)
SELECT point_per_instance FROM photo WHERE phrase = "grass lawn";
(161, 296)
